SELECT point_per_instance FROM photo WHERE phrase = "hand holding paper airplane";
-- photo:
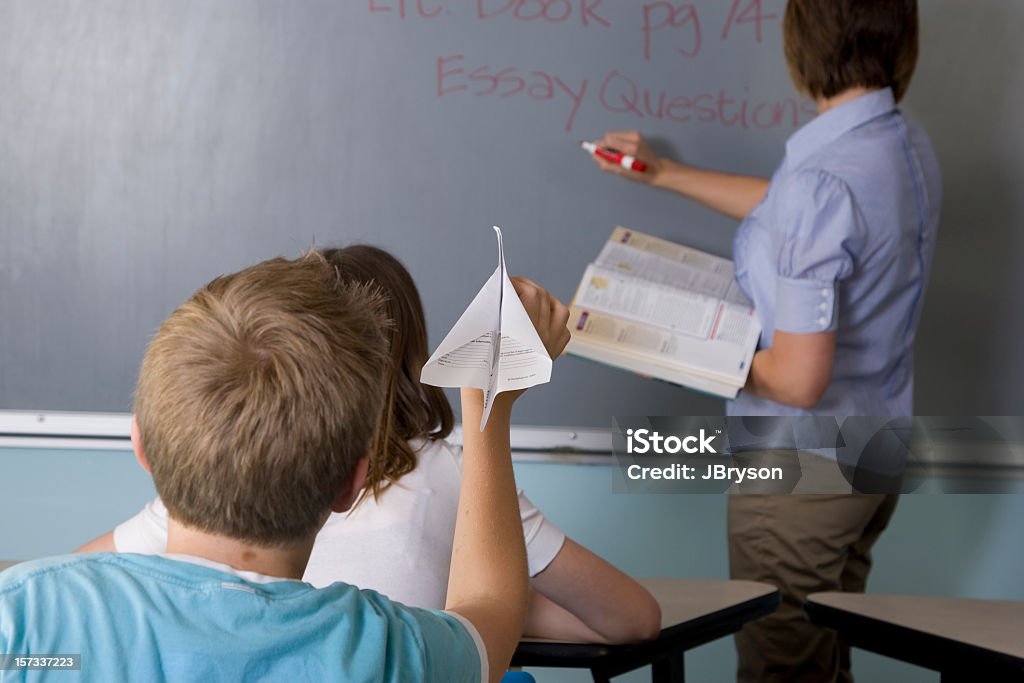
(493, 346)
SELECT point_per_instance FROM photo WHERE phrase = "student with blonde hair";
(407, 508)
(257, 403)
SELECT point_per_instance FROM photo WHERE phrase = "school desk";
(693, 612)
(965, 640)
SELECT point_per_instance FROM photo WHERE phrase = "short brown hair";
(259, 394)
(834, 45)
(412, 410)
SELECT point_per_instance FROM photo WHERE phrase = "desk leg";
(672, 669)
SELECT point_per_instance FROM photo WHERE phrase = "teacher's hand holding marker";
(733, 195)
(625, 153)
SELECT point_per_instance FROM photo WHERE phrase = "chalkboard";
(148, 146)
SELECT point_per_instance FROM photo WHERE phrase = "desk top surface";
(685, 601)
(994, 625)
(693, 612)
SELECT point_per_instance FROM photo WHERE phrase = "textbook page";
(647, 302)
(666, 311)
(493, 346)
(660, 261)
(724, 357)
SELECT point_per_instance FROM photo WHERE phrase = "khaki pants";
(802, 544)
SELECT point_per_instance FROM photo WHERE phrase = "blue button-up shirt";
(843, 242)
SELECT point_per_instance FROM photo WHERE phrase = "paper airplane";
(493, 346)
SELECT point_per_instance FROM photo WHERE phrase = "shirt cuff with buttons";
(804, 306)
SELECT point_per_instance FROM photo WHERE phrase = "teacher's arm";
(733, 195)
(795, 371)
(819, 230)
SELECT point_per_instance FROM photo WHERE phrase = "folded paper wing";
(464, 358)
(493, 346)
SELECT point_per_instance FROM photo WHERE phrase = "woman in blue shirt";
(834, 251)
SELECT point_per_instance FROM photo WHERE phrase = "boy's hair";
(835, 45)
(411, 410)
(259, 394)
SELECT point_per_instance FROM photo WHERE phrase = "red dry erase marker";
(615, 156)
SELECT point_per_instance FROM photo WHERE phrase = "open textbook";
(493, 346)
(667, 311)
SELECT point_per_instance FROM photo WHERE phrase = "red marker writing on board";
(615, 156)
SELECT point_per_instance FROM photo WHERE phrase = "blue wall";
(956, 545)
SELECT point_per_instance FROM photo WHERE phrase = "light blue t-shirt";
(150, 618)
(843, 242)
